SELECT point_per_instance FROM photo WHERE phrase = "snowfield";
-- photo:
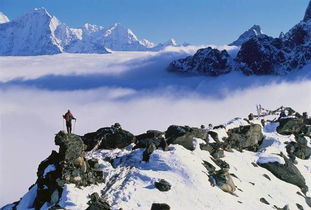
(134, 89)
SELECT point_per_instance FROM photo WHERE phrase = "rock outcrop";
(108, 138)
(259, 54)
(183, 135)
(208, 61)
(245, 137)
(287, 172)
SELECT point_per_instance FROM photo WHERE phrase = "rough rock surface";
(65, 167)
(245, 137)
(287, 172)
(108, 138)
(208, 61)
(259, 54)
(163, 185)
(183, 135)
(160, 206)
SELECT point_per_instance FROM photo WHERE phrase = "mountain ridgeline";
(222, 167)
(40, 33)
(258, 53)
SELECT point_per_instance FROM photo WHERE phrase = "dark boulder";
(296, 126)
(160, 206)
(263, 200)
(151, 137)
(162, 185)
(299, 150)
(109, 138)
(148, 151)
(183, 135)
(245, 137)
(97, 203)
(287, 172)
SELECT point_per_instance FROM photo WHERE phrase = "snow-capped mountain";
(260, 54)
(262, 162)
(254, 31)
(3, 18)
(171, 42)
(39, 33)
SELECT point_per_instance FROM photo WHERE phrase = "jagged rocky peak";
(307, 16)
(3, 18)
(254, 31)
(209, 61)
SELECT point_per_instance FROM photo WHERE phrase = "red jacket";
(68, 117)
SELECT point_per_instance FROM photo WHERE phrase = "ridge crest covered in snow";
(262, 162)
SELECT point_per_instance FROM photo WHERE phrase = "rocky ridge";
(259, 54)
(102, 164)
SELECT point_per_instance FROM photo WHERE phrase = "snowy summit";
(262, 162)
(40, 33)
(3, 18)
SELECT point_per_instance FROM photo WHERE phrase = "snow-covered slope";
(254, 163)
(3, 18)
(39, 33)
(254, 31)
(30, 34)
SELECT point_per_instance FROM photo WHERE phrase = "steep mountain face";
(307, 16)
(3, 18)
(261, 54)
(119, 38)
(251, 33)
(31, 34)
(161, 46)
(209, 61)
(262, 162)
(39, 33)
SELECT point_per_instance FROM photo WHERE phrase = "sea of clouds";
(132, 88)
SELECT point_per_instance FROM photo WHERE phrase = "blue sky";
(193, 21)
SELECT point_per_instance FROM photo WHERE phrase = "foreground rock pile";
(75, 164)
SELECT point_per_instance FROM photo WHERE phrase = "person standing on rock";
(68, 117)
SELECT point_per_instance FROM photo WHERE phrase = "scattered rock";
(160, 206)
(245, 137)
(287, 172)
(299, 150)
(183, 135)
(296, 126)
(266, 176)
(263, 200)
(108, 138)
(148, 151)
(210, 168)
(300, 207)
(162, 185)
(97, 203)
(308, 201)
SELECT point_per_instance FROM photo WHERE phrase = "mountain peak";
(308, 13)
(3, 18)
(254, 31)
(42, 11)
(171, 42)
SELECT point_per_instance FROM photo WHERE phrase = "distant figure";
(68, 117)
